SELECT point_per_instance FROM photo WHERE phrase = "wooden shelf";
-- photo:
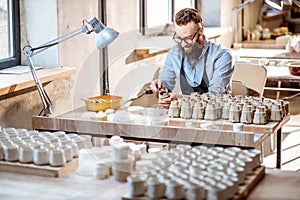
(10, 83)
(262, 44)
(272, 16)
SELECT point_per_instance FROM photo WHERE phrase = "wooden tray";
(244, 190)
(40, 170)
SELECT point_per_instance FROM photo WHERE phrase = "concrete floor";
(290, 155)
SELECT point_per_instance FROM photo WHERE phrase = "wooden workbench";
(174, 131)
(276, 184)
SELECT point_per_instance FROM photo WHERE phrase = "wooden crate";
(39, 170)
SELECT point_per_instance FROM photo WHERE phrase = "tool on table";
(146, 91)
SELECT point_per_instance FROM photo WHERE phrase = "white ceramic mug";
(68, 152)
(1, 152)
(57, 157)
(40, 156)
(11, 152)
(136, 186)
(25, 154)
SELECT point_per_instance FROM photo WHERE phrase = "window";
(156, 14)
(9, 33)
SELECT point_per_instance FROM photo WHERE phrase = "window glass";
(158, 13)
(9, 33)
(179, 4)
(4, 30)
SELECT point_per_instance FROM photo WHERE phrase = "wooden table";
(276, 184)
(281, 74)
(278, 73)
(173, 131)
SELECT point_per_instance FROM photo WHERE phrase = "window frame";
(143, 14)
(16, 58)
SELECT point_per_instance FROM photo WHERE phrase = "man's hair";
(187, 15)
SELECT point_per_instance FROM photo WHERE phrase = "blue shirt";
(218, 68)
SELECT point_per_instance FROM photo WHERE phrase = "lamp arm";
(56, 41)
(28, 52)
(47, 104)
(240, 7)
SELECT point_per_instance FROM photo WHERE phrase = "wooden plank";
(140, 132)
(250, 182)
(174, 130)
(40, 170)
(12, 83)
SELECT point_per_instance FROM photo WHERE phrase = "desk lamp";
(104, 36)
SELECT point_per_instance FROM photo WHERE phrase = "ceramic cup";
(186, 110)
(174, 190)
(174, 110)
(120, 151)
(155, 188)
(40, 156)
(68, 152)
(57, 157)
(101, 170)
(1, 152)
(115, 140)
(11, 152)
(136, 186)
(121, 169)
(25, 154)
(194, 191)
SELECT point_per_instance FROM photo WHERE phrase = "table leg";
(278, 92)
(278, 160)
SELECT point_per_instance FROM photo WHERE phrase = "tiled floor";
(290, 155)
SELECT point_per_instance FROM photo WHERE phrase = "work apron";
(186, 88)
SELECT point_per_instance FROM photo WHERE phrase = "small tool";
(146, 91)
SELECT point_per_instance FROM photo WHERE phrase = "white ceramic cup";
(57, 157)
(25, 154)
(68, 152)
(40, 156)
(1, 152)
(121, 169)
(101, 170)
(155, 188)
(136, 186)
(11, 152)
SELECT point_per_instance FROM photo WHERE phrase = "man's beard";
(193, 53)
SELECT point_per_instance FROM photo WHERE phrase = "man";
(198, 64)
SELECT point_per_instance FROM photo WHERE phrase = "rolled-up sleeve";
(222, 72)
(168, 75)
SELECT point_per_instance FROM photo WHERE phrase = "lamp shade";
(105, 37)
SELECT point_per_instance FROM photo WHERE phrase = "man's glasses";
(187, 40)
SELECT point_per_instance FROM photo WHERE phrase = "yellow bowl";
(101, 103)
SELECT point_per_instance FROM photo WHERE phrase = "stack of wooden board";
(40, 170)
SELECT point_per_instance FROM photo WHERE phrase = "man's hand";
(157, 86)
(165, 102)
